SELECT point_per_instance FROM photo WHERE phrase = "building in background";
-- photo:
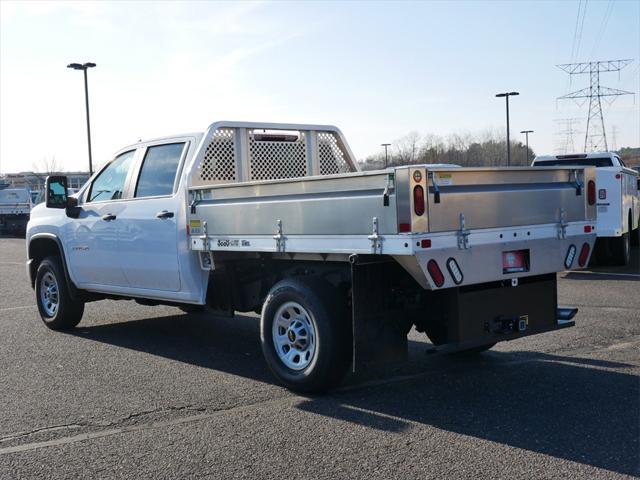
(34, 181)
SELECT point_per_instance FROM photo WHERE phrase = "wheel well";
(242, 284)
(39, 249)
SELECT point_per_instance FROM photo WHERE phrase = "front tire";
(306, 334)
(57, 309)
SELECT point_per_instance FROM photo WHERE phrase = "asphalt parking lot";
(150, 392)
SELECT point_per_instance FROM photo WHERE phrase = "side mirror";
(56, 191)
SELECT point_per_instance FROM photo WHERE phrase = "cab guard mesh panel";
(271, 160)
(219, 163)
(332, 159)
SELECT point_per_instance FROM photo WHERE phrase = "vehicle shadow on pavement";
(573, 408)
(231, 345)
(566, 407)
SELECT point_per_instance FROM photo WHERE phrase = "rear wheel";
(306, 334)
(621, 247)
(635, 238)
(57, 309)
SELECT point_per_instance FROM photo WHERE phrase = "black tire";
(327, 314)
(635, 237)
(621, 247)
(67, 312)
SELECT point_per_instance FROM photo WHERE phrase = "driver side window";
(109, 185)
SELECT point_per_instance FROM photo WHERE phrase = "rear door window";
(159, 168)
(109, 185)
(578, 162)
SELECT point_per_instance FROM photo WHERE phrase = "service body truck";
(341, 264)
(15, 208)
(618, 202)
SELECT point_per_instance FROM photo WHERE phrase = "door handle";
(108, 217)
(164, 214)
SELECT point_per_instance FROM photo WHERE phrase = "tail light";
(571, 254)
(587, 229)
(591, 192)
(435, 272)
(418, 200)
(584, 255)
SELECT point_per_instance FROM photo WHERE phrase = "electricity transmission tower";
(595, 136)
(565, 143)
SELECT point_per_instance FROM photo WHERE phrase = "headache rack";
(236, 152)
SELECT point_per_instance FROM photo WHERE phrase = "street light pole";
(386, 158)
(84, 67)
(506, 95)
(527, 132)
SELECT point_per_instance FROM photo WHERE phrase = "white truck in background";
(15, 208)
(618, 225)
(341, 264)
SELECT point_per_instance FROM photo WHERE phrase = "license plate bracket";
(515, 261)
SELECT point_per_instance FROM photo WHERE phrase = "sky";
(377, 70)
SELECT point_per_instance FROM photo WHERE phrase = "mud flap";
(380, 325)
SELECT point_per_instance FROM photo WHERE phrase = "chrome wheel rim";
(49, 297)
(294, 336)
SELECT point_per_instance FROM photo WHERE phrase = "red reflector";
(404, 227)
(591, 192)
(426, 243)
(587, 229)
(618, 176)
(436, 273)
(418, 200)
(584, 255)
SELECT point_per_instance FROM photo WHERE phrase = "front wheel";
(57, 309)
(306, 334)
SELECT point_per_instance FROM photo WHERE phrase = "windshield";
(579, 162)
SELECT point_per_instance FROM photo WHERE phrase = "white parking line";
(588, 272)
(16, 308)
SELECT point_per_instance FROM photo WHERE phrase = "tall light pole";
(84, 67)
(386, 158)
(527, 132)
(506, 95)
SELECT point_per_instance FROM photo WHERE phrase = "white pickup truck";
(15, 208)
(618, 225)
(341, 264)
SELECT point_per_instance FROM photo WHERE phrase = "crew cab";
(618, 201)
(340, 264)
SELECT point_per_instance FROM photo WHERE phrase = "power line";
(584, 14)
(575, 31)
(595, 136)
(603, 26)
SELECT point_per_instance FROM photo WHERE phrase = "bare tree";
(47, 165)
(407, 148)
(485, 148)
